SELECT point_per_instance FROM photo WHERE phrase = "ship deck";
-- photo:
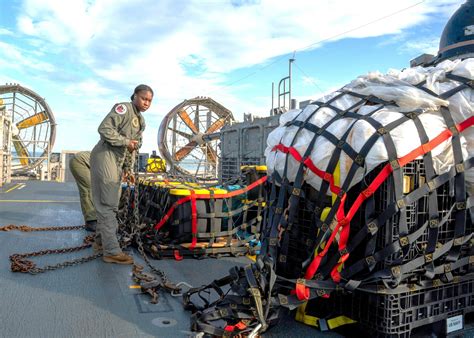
(93, 299)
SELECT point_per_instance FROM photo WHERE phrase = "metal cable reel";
(188, 137)
(34, 126)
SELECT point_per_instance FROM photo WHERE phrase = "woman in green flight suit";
(120, 132)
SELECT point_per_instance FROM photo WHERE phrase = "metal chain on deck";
(27, 228)
(19, 263)
(129, 231)
(148, 283)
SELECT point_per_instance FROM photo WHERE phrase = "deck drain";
(163, 322)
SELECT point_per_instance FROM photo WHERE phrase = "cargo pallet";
(188, 219)
(398, 312)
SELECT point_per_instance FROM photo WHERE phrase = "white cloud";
(186, 48)
(416, 47)
(14, 57)
(84, 88)
(4, 31)
(222, 36)
(25, 25)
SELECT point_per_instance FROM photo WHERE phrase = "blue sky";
(83, 56)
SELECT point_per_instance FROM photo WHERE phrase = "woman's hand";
(132, 145)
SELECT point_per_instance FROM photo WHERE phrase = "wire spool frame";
(188, 137)
(34, 127)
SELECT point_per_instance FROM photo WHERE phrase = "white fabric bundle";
(397, 86)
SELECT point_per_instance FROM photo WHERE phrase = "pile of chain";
(20, 263)
(129, 234)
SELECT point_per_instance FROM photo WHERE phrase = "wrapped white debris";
(400, 92)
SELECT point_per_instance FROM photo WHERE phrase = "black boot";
(91, 225)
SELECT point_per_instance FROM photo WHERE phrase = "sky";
(85, 56)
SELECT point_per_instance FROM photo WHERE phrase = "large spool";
(188, 137)
(34, 127)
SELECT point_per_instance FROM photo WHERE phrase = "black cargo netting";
(403, 224)
(188, 219)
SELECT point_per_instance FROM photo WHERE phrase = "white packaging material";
(398, 87)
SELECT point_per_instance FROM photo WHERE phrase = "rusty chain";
(27, 228)
(19, 263)
(148, 283)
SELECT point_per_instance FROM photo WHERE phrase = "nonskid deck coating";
(93, 299)
(96, 299)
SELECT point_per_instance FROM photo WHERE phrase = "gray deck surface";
(95, 298)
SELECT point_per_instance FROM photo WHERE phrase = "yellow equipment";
(156, 165)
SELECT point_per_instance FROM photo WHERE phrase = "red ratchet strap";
(195, 196)
(170, 212)
(229, 328)
(193, 220)
(387, 170)
(302, 292)
(344, 221)
(309, 163)
(311, 270)
(177, 255)
(384, 174)
(240, 325)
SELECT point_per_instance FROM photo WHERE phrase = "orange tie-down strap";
(343, 221)
(193, 197)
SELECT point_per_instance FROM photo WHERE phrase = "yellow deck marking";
(252, 257)
(134, 286)
(13, 188)
(36, 201)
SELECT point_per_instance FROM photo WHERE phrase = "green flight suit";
(122, 124)
(81, 170)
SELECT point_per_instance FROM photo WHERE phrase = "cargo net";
(189, 219)
(370, 188)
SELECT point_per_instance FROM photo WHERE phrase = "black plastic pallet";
(397, 312)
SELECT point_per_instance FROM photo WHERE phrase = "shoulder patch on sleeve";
(121, 109)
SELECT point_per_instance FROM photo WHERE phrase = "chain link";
(19, 263)
(130, 227)
(160, 273)
(27, 228)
